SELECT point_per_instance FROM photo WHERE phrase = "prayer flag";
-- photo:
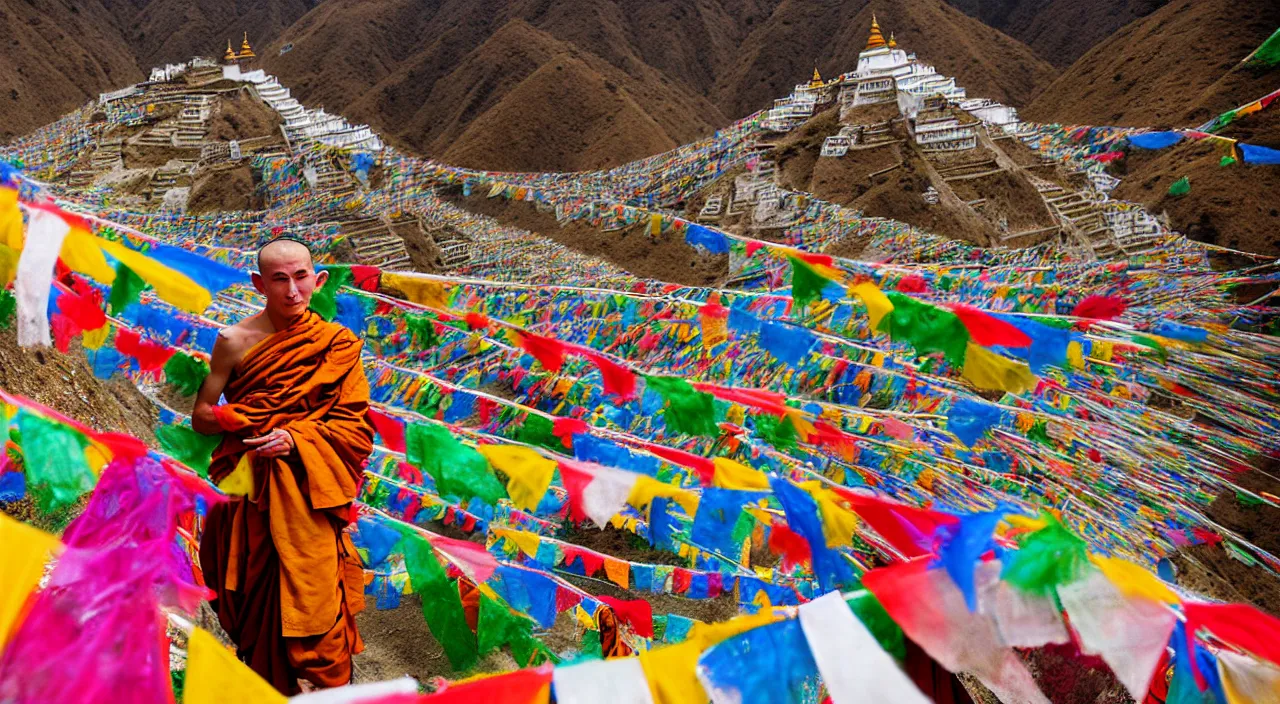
(214, 675)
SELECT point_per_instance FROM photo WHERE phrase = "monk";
(288, 392)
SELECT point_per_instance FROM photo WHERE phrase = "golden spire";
(876, 40)
(231, 54)
(246, 51)
(893, 43)
(816, 80)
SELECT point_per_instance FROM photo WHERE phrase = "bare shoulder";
(235, 340)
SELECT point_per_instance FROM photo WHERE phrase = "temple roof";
(246, 51)
(816, 80)
(893, 43)
(231, 54)
(876, 40)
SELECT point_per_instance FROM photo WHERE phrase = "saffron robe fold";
(287, 578)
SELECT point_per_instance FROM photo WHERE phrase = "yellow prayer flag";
(95, 339)
(655, 224)
(10, 219)
(1075, 354)
(240, 481)
(646, 488)
(878, 305)
(989, 371)
(8, 263)
(838, 522)
(735, 475)
(1133, 580)
(527, 542)
(171, 285)
(80, 252)
(27, 549)
(528, 473)
(424, 292)
(672, 670)
(214, 675)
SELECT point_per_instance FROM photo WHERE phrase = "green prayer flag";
(422, 329)
(324, 301)
(777, 431)
(441, 604)
(539, 430)
(54, 461)
(1227, 160)
(458, 470)
(126, 288)
(188, 447)
(498, 625)
(872, 615)
(1268, 54)
(927, 328)
(688, 410)
(1181, 187)
(8, 307)
(806, 284)
(185, 373)
(1046, 559)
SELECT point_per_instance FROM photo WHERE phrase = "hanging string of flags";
(984, 422)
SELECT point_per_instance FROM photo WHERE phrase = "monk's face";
(287, 278)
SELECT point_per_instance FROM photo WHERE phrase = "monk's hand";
(276, 443)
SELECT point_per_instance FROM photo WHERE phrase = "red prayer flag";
(616, 379)
(785, 542)
(575, 483)
(705, 467)
(391, 429)
(151, 355)
(636, 613)
(988, 330)
(1240, 625)
(566, 428)
(519, 687)
(1100, 307)
(547, 350)
(907, 528)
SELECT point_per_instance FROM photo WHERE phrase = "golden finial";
(876, 40)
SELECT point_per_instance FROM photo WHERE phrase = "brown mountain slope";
(1233, 206)
(58, 55)
(665, 72)
(830, 33)
(1174, 67)
(1060, 31)
(163, 31)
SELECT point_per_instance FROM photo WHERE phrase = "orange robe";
(286, 577)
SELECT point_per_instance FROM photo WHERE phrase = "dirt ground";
(1211, 569)
(1233, 206)
(423, 252)
(239, 115)
(667, 258)
(65, 383)
(224, 188)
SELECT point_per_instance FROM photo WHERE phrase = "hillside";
(1174, 67)
(1232, 206)
(617, 84)
(1060, 31)
(58, 55)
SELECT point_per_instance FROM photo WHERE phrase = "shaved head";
(282, 248)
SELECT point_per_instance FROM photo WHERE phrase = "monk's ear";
(258, 282)
(321, 277)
